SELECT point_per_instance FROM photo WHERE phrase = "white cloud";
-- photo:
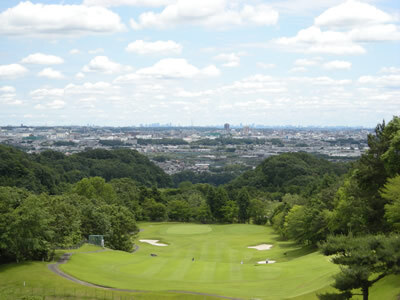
(28, 19)
(321, 80)
(341, 29)
(337, 65)
(88, 88)
(158, 47)
(256, 84)
(305, 62)
(211, 13)
(350, 14)
(56, 104)
(46, 93)
(229, 59)
(313, 40)
(266, 65)
(79, 75)
(12, 71)
(375, 33)
(210, 71)
(96, 51)
(51, 74)
(392, 70)
(74, 51)
(297, 69)
(103, 64)
(392, 80)
(175, 68)
(42, 59)
(7, 89)
(107, 3)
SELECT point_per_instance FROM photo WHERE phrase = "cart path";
(66, 256)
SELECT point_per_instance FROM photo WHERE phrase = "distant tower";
(227, 127)
(246, 130)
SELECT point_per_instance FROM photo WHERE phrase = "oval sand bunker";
(261, 247)
(153, 242)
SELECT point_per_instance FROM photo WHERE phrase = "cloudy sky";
(131, 62)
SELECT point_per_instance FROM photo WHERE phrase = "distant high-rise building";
(246, 130)
(227, 126)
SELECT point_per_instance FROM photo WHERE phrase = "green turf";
(300, 273)
(217, 251)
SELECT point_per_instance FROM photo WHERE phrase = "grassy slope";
(41, 281)
(299, 274)
(218, 250)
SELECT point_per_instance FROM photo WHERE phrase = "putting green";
(218, 252)
(189, 229)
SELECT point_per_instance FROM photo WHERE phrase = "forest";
(50, 201)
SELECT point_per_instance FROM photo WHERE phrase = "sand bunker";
(153, 242)
(264, 262)
(261, 247)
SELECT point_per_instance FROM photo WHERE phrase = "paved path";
(66, 256)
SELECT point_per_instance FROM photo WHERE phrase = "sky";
(208, 62)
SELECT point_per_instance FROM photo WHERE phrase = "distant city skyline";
(304, 63)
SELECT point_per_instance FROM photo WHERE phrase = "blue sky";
(130, 62)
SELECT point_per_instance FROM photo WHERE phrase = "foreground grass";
(40, 281)
(300, 273)
(217, 251)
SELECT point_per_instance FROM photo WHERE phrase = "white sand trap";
(261, 247)
(153, 242)
(264, 262)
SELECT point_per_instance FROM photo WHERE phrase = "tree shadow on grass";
(11, 266)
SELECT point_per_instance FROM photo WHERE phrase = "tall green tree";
(243, 201)
(391, 192)
(363, 260)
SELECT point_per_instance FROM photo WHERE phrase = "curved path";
(66, 256)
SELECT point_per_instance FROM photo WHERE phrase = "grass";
(217, 251)
(300, 272)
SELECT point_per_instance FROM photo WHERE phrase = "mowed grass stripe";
(217, 268)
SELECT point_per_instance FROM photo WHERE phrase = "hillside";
(295, 173)
(45, 172)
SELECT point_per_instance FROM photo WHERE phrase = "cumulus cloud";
(266, 65)
(96, 51)
(51, 74)
(350, 14)
(314, 40)
(42, 59)
(74, 51)
(171, 68)
(7, 89)
(256, 84)
(107, 3)
(46, 93)
(12, 71)
(392, 80)
(321, 80)
(79, 75)
(54, 20)
(158, 47)
(337, 65)
(297, 69)
(103, 64)
(341, 30)
(211, 13)
(393, 70)
(229, 59)
(305, 62)
(56, 104)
